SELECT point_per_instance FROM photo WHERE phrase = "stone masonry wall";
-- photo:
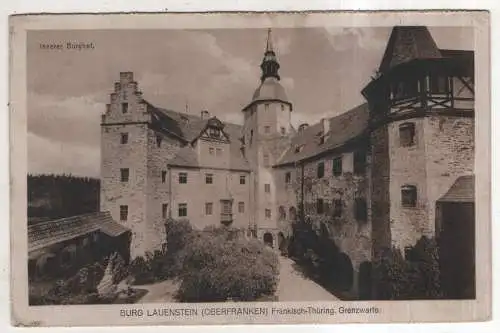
(449, 154)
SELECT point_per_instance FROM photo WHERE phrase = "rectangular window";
(337, 166)
(266, 159)
(409, 196)
(124, 175)
(183, 210)
(267, 129)
(337, 208)
(321, 169)
(163, 176)
(209, 208)
(283, 131)
(242, 180)
(123, 213)
(124, 107)
(164, 209)
(124, 138)
(218, 151)
(268, 213)
(183, 177)
(209, 178)
(288, 177)
(359, 162)
(319, 206)
(267, 188)
(360, 210)
(158, 141)
(407, 134)
(211, 150)
(241, 207)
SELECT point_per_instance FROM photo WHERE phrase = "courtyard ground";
(294, 286)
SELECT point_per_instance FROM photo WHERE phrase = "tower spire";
(269, 65)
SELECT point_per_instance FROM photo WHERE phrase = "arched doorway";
(268, 239)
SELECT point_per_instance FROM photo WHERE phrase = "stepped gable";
(408, 43)
(343, 128)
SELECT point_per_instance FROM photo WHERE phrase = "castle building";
(369, 178)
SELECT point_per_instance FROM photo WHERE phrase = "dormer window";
(299, 148)
(214, 132)
(321, 138)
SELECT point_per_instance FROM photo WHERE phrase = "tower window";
(360, 210)
(267, 129)
(283, 130)
(251, 136)
(211, 150)
(266, 159)
(183, 177)
(218, 151)
(158, 141)
(242, 180)
(359, 162)
(282, 107)
(164, 208)
(337, 166)
(124, 175)
(241, 207)
(439, 84)
(319, 206)
(266, 106)
(209, 208)
(209, 178)
(267, 213)
(123, 213)
(407, 134)
(124, 107)
(182, 210)
(321, 169)
(409, 196)
(267, 188)
(288, 177)
(163, 176)
(337, 208)
(404, 89)
(124, 138)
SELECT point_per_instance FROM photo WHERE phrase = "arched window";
(408, 196)
(292, 213)
(282, 213)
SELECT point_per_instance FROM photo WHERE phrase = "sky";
(323, 71)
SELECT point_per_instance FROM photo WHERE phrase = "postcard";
(250, 168)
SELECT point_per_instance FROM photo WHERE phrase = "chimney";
(205, 115)
(302, 127)
(325, 125)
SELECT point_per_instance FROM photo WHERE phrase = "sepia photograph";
(262, 164)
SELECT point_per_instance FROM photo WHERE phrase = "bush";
(416, 277)
(218, 266)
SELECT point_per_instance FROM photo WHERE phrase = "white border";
(56, 6)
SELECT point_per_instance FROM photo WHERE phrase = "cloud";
(343, 39)
(48, 156)
(233, 117)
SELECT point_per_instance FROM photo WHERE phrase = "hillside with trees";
(57, 196)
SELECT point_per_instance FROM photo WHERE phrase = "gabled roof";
(52, 232)
(343, 128)
(461, 191)
(408, 43)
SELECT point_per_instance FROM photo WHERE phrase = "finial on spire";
(269, 46)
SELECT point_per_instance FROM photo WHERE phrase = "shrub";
(416, 277)
(218, 266)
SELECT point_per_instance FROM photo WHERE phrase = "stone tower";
(422, 134)
(130, 159)
(267, 128)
